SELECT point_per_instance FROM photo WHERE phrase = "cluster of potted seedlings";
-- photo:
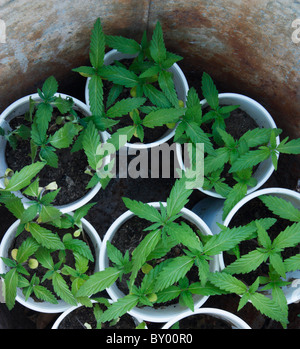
(159, 262)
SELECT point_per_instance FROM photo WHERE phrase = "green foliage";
(164, 278)
(226, 156)
(146, 80)
(41, 245)
(270, 252)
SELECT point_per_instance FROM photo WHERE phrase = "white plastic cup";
(44, 307)
(263, 120)
(181, 87)
(234, 321)
(147, 313)
(21, 106)
(292, 291)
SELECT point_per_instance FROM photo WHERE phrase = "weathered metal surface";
(52, 37)
(246, 46)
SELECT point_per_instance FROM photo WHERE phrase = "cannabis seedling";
(269, 252)
(235, 157)
(41, 221)
(149, 65)
(167, 279)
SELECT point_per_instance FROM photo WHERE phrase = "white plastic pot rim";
(163, 314)
(45, 307)
(263, 119)
(181, 86)
(292, 292)
(19, 107)
(230, 318)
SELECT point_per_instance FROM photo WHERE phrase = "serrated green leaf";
(43, 117)
(80, 247)
(122, 44)
(215, 162)
(178, 197)
(289, 237)
(124, 107)
(235, 195)
(11, 282)
(99, 281)
(141, 252)
(49, 214)
(250, 159)
(64, 136)
(267, 307)
(292, 263)
(281, 207)
(184, 235)
(64, 105)
(227, 239)
(156, 96)
(143, 210)
(157, 46)
(90, 143)
(27, 248)
(210, 91)
(50, 87)
(246, 263)
(95, 87)
(174, 271)
(22, 178)
(162, 116)
(44, 294)
(227, 282)
(119, 308)
(45, 237)
(166, 83)
(43, 255)
(291, 147)
(120, 76)
(85, 71)
(48, 154)
(97, 45)
(61, 289)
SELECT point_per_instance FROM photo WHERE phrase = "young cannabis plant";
(269, 252)
(150, 64)
(237, 158)
(167, 279)
(41, 222)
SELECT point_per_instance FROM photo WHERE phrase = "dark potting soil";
(69, 175)
(77, 319)
(255, 209)
(237, 124)
(69, 257)
(128, 237)
(203, 322)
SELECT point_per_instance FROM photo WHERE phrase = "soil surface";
(77, 319)
(204, 322)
